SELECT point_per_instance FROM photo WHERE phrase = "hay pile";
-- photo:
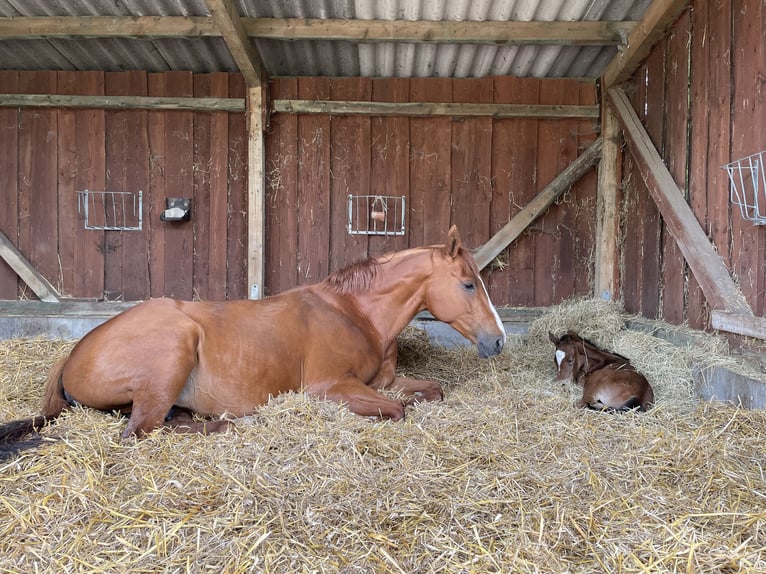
(503, 476)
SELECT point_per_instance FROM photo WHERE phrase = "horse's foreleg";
(417, 390)
(359, 398)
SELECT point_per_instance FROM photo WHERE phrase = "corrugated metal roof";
(322, 57)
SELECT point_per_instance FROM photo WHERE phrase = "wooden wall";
(475, 172)
(702, 96)
(47, 155)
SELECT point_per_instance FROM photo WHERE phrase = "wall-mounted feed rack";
(747, 186)
(376, 214)
(111, 210)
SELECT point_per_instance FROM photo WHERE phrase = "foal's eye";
(470, 286)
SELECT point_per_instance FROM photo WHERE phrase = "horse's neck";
(396, 294)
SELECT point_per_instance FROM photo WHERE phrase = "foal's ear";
(553, 338)
(453, 242)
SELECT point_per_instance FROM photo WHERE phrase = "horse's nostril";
(499, 342)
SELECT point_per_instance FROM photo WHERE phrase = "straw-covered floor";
(505, 475)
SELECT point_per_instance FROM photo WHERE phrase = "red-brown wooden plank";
(127, 164)
(349, 169)
(236, 282)
(9, 141)
(711, 123)
(676, 98)
(748, 136)
(313, 185)
(472, 163)
(154, 196)
(38, 206)
(81, 135)
(584, 194)
(179, 238)
(515, 175)
(282, 193)
(389, 156)
(201, 174)
(430, 167)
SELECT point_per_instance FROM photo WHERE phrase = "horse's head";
(566, 357)
(456, 295)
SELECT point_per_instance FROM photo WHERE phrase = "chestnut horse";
(336, 340)
(609, 381)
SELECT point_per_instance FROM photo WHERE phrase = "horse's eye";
(470, 286)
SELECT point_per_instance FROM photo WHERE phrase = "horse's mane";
(355, 277)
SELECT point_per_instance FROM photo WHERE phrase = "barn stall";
(260, 122)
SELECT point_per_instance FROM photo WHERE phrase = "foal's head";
(456, 295)
(569, 356)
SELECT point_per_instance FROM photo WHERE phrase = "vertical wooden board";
(313, 185)
(201, 168)
(349, 170)
(9, 140)
(565, 215)
(389, 156)
(748, 136)
(127, 163)
(82, 166)
(585, 195)
(156, 192)
(430, 167)
(514, 172)
(236, 281)
(38, 213)
(553, 148)
(711, 122)
(648, 214)
(676, 102)
(179, 238)
(472, 163)
(217, 162)
(282, 193)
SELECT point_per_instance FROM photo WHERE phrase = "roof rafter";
(244, 52)
(488, 32)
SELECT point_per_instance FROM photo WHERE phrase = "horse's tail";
(54, 402)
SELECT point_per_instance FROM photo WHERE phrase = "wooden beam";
(423, 31)
(738, 323)
(657, 19)
(24, 269)
(607, 276)
(242, 48)
(717, 285)
(107, 27)
(531, 211)
(256, 193)
(434, 109)
(121, 102)
(601, 33)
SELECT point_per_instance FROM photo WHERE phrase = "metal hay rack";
(747, 185)
(111, 210)
(376, 215)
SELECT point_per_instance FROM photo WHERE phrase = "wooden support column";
(256, 193)
(607, 280)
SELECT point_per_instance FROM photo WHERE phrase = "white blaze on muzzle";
(494, 311)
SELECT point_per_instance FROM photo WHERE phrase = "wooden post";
(607, 280)
(24, 269)
(256, 193)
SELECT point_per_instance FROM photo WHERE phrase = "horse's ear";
(453, 242)
(553, 338)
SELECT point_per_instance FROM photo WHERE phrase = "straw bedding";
(503, 476)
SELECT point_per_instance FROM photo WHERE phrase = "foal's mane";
(575, 338)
